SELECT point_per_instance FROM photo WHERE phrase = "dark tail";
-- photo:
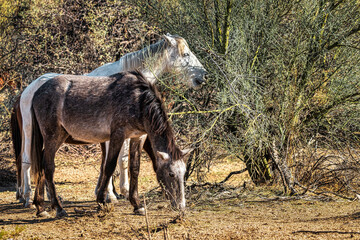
(16, 126)
(37, 166)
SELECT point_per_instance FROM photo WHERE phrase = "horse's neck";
(107, 69)
(161, 144)
(164, 142)
(149, 62)
(152, 75)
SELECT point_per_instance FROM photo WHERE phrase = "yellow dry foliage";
(7, 9)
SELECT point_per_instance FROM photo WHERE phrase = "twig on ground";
(323, 232)
(233, 173)
(147, 219)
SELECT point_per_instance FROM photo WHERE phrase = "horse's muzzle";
(199, 81)
(178, 205)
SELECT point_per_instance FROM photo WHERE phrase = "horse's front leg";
(111, 196)
(135, 152)
(149, 150)
(108, 168)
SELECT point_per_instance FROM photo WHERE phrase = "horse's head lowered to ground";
(170, 174)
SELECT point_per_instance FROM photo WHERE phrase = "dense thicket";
(285, 85)
(283, 90)
(61, 36)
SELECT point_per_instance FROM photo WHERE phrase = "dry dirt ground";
(229, 211)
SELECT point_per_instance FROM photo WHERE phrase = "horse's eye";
(171, 174)
(186, 54)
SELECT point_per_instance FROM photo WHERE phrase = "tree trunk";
(284, 170)
(259, 169)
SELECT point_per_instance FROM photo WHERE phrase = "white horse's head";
(182, 61)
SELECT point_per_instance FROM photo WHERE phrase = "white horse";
(171, 54)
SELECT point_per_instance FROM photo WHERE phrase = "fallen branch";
(219, 183)
(233, 173)
(324, 193)
(324, 232)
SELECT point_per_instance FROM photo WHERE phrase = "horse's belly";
(135, 134)
(90, 134)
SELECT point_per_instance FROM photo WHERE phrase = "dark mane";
(154, 110)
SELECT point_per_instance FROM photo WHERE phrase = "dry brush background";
(281, 105)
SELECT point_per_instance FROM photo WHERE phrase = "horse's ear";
(186, 151)
(168, 38)
(164, 156)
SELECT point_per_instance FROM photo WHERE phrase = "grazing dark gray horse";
(99, 109)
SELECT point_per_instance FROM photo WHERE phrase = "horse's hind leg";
(50, 148)
(25, 106)
(123, 161)
(25, 169)
(39, 196)
(135, 152)
(26, 183)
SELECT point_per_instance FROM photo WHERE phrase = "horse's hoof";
(125, 193)
(61, 214)
(43, 214)
(120, 196)
(27, 204)
(111, 199)
(139, 211)
(100, 199)
(18, 195)
(105, 208)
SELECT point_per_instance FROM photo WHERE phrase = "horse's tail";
(16, 136)
(37, 166)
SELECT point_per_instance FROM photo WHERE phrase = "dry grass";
(227, 211)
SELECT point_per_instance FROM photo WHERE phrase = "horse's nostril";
(199, 81)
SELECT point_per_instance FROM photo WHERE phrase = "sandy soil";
(213, 212)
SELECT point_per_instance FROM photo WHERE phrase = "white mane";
(136, 60)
